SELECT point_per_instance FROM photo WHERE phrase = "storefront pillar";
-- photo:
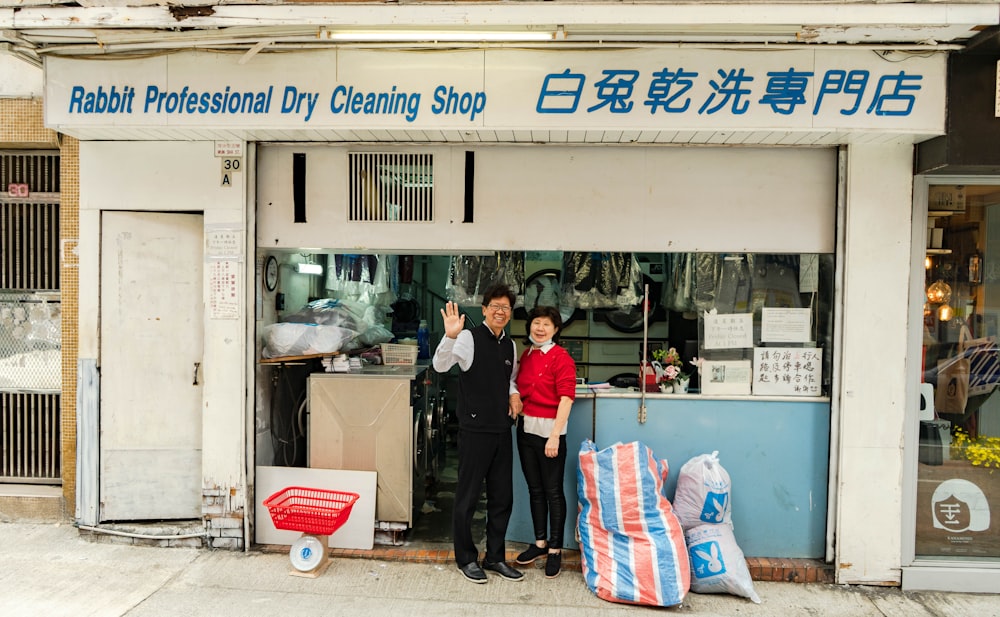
(872, 394)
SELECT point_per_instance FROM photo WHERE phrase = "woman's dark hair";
(498, 290)
(549, 312)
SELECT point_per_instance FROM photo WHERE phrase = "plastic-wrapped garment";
(702, 494)
(732, 292)
(510, 266)
(327, 312)
(349, 274)
(774, 281)
(364, 278)
(601, 280)
(363, 319)
(471, 274)
(717, 563)
(301, 339)
(706, 272)
(631, 544)
(678, 289)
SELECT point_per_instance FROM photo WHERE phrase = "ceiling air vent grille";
(391, 186)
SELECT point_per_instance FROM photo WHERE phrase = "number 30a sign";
(230, 166)
(17, 189)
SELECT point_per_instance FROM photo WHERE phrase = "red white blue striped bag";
(631, 543)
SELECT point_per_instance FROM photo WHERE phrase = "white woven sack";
(717, 563)
(703, 492)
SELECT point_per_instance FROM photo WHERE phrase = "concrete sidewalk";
(51, 570)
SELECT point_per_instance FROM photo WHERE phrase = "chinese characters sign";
(730, 92)
(788, 371)
(224, 289)
(728, 330)
(509, 89)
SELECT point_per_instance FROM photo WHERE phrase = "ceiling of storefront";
(781, 138)
(33, 28)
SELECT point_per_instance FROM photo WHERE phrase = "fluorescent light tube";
(437, 35)
(310, 269)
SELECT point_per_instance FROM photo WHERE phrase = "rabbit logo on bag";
(706, 560)
(715, 507)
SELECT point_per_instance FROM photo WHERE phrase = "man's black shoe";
(473, 572)
(503, 570)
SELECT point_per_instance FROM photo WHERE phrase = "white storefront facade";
(187, 165)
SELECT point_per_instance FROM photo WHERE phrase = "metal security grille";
(391, 186)
(30, 318)
(29, 221)
(30, 432)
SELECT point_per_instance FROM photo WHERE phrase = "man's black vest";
(484, 389)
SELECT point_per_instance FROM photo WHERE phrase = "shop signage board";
(506, 89)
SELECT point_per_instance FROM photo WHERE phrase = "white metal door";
(151, 347)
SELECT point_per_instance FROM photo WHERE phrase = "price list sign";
(787, 371)
(224, 289)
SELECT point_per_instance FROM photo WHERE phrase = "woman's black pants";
(544, 476)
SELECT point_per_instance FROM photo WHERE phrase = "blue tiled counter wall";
(776, 452)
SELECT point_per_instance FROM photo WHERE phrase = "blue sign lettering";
(785, 91)
(659, 94)
(560, 93)
(730, 90)
(615, 90)
(448, 101)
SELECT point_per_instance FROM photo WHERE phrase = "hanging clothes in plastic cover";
(679, 285)
(774, 281)
(706, 271)
(363, 278)
(471, 274)
(732, 292)
(602, 280)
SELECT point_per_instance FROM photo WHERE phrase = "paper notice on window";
(728, 331)
(223, 242)
(788, 371)
(808, 273)
(785, 325)
(224, 289)
(725, 377)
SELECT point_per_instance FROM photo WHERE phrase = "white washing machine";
(543, 286)
(616, 335)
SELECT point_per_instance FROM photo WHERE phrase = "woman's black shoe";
(553, 563)
(532, 553)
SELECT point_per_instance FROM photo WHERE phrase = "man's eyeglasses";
(499, 308)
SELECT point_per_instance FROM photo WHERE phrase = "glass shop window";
(765, 321)
(959, 435)
(738, 323)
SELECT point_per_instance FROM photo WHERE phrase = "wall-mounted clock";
(271, 273)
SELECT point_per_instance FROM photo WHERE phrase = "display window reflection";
(958, 480)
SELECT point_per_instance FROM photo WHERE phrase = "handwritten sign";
(224, 289)
(785, 325)
(788, 371)
(728, 331)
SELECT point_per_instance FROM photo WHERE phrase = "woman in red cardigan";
(546, 380)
